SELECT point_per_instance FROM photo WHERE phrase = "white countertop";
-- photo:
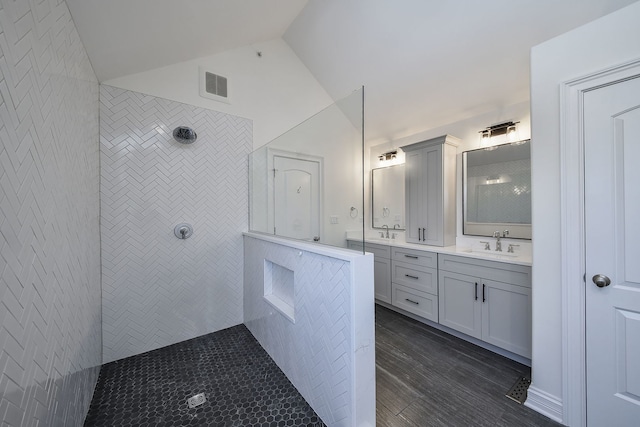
(465, 251)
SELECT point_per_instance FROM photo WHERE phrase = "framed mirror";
(387, 197)
(497, 190)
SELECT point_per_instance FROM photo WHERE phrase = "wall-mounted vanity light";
(507, 128)
(390, 155)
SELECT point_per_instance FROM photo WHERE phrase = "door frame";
(274, 152)
(572, 235)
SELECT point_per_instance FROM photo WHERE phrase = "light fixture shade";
(388, 156)
(508, 128)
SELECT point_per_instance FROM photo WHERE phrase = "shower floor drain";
(196, 400)
(518, 392)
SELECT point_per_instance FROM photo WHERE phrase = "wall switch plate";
(334, 219)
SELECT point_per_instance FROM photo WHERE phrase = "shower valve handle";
(183, 231)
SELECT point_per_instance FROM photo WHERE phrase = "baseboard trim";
(544, 403)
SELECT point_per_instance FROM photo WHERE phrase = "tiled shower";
(61, 192)
(158, 289)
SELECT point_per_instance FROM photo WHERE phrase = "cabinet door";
(424, 196)
(460, 303)
(506, 317)
(413, 196)
(432, 196)
(382, 279)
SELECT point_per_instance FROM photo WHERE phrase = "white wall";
(467, 130)
(275, 90)
(606, 42)
(50, 333)
(158, 289)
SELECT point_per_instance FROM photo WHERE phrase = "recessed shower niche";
(278, 288)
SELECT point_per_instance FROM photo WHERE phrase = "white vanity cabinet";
(381, 268)
(488, 300)
(430, 189)
(414, 282)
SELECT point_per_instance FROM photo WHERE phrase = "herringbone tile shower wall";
(50, 333)
(158, 289)
(315, 352)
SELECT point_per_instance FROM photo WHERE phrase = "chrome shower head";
(184, 135)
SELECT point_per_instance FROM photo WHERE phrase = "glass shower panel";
(308, 183)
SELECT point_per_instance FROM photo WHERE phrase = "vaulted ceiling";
(424, 63)
(129, 36)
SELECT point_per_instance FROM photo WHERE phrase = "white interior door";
(296, 198)
(612, 239)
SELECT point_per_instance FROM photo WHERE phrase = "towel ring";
(351, 212)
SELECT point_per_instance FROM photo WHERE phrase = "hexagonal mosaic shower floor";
(242, 385)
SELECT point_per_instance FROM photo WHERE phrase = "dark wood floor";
(426, 377)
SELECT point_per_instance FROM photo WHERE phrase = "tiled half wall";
(320, 331)
(158, 289)
(50, 334)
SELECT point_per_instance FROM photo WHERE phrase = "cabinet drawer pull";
(419, 239)
(411, 256)
(424, 234)
(411, 277)
(476, 291)
(483, 298)
(412, 301)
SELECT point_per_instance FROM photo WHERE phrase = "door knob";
(601, 280)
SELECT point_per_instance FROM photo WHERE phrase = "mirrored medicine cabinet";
(497, 190)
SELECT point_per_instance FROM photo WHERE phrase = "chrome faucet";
(386, 227)
(497, 235)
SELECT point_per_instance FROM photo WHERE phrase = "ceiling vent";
(214, 86)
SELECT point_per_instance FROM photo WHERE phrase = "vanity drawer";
(414, 256)
(416, 302)
(492, 270)
(416, 277)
